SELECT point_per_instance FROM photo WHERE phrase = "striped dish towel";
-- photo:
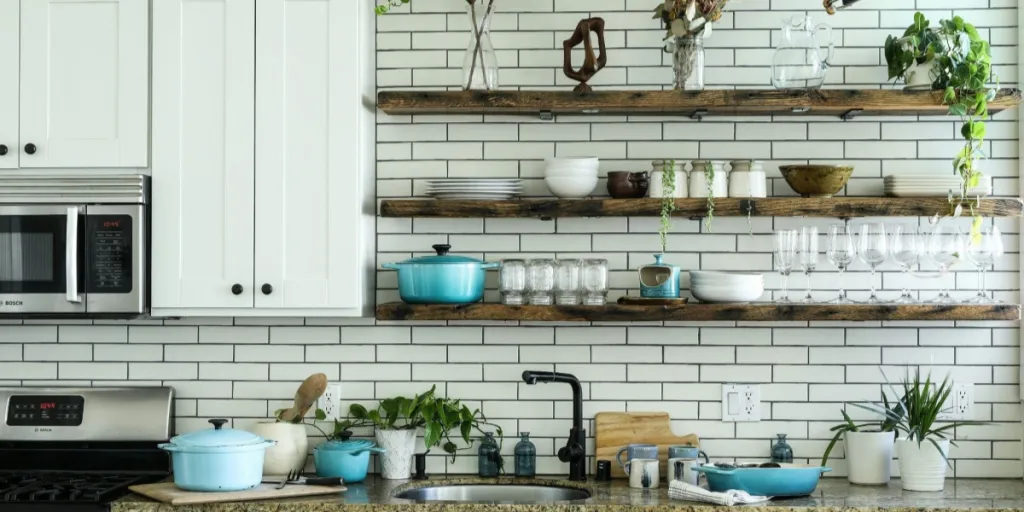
(683, 491)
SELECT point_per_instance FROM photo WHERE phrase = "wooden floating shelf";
(845, 103)
(841, 207)
(698, 312)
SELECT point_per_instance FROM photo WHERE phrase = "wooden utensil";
(167, 493)
(616, 430)
(307, 395)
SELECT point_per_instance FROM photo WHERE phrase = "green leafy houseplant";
(668, 201)
(919, 44)
(887, 424)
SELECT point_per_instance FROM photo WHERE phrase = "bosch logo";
(42, 429)
(13, 303)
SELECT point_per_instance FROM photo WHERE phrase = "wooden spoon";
(307, 395)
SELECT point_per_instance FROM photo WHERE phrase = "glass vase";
(526, 456)
(688, 62)
(781, 451)
(488, 456)
(480, 65)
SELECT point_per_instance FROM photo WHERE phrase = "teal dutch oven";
(441, 278)
(217, 459)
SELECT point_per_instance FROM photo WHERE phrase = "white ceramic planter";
(919, 76)
(399, 446)
(868, 457)
(922, 468)
(290, 451)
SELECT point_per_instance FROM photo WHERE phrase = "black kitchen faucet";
(573, 452)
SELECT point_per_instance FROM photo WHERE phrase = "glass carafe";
(799, 62)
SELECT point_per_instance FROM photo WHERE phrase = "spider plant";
(888, 424)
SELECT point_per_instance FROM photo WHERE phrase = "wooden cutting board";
(616, 430)
(167, 493)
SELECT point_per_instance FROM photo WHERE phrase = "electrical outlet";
(330, 401)
(960, 402)
(741, 402)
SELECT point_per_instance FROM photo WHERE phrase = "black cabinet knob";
(30, 148)
(267, 289)
(3, 149)
(236, 289)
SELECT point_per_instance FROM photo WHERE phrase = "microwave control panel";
(110, 253)
(45, 411)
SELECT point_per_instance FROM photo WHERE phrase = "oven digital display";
(45, 411)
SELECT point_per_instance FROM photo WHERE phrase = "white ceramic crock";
(699, 182)
(922, 467)
(399, 446)
(747, 179)
(869, 457)
(289, 453)
(656, 188)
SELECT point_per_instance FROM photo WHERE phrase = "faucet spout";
(574, 451)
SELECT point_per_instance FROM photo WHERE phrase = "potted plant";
(868, 445)
(687, 23)
(444, 416)
(289, 429)
(913, 56)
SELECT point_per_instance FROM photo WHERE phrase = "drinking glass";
(906, 247)
(568, 282)
(512, 281)
(872, 249)
(785, 257)
(982, 251)
(840, 253)
(595, 282)
(945, 247)
(540, 282)
(807, 253)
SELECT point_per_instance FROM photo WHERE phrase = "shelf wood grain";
(829, 102)
(839, 207)
(698, 312)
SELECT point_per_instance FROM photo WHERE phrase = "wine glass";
(982, 251)
(785, 257)
(807, 254)
(840, 253)
(907, 247)
(945, 248)
(872, 248)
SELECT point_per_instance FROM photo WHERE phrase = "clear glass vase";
(480, 65)
(688, 62)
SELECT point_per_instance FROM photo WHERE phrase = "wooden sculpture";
(591, 63)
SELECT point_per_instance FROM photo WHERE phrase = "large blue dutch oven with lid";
(442, 278)
(217, 459)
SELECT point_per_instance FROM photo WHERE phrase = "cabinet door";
(203, 94)
(9, 58)
(84, 83)
(310, 122)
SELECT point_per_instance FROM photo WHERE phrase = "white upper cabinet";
(9, 58)
(308, 131)
(203, 118)
(84, 82)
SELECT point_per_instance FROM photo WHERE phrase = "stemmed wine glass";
(873, 249)
(841, 252)
(945, 248)
(907, 247)
(807, 254)
(982, 251)
(785, 257)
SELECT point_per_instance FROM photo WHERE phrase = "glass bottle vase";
(480, 64)
(526, 456)
(488, 456)
(781, 451)
(688, 62)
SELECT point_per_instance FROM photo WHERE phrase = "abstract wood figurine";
(591, 63)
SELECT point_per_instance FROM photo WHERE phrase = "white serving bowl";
(586, 162)
(727, 294)
(709, 275)
(571, 188)
(570, 172)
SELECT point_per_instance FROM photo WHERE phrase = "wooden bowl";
(816, 180)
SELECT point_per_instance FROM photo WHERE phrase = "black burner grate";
(65, 487)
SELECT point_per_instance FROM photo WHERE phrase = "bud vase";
(480, 65)
(688, 62)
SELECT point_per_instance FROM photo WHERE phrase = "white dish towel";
(683, 491)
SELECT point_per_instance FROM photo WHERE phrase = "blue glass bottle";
(488, 456)
(782, 452)
(526, 456)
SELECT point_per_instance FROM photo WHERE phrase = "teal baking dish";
(786, 481)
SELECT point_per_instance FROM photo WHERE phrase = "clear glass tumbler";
(568, 282)
(512, 282)
(595, 282)
(540, 282)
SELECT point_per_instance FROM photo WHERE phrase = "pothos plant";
(668, 202)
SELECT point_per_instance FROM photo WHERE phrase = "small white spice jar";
(747, 179)
(699, 182)
(657, 188)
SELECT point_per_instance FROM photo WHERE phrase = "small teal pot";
(660, 280)
(217, 459)
(349, 460)
(441, 279)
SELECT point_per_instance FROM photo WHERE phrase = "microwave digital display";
(45, 411)
(110, 253)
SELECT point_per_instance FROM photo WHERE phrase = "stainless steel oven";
(73, 245)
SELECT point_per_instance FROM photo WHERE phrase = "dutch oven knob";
(442, 249)
(218, 423)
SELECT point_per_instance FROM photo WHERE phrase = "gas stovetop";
(66, 487)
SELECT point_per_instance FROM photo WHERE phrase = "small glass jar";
(657, 188)
(488, 456)
(568, 277)
(512, 282)
(699, 181)
(595, 282)
(781, 451)
(526, 456)
(540, 282)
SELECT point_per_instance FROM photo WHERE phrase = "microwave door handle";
(71, 256)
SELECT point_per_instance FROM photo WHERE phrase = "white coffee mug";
(682, 470)
(643, 473)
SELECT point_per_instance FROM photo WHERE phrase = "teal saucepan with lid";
(349, 460)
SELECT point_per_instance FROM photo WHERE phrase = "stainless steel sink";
(494, 494)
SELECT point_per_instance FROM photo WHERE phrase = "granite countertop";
(833, 493)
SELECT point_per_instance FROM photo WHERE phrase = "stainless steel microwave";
(73, 245)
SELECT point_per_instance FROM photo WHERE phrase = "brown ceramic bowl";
(628, 185)
(816, 180)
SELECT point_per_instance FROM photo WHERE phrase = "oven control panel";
(45, 410)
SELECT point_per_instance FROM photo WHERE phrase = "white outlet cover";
(330, 401)
(741, 402)
(960, 404)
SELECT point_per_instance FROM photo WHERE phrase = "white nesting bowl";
(727, 293)
(570, 172)
(571, 188)
(575, 162)
(725, 277)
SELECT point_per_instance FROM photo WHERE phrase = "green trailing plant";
(888, 423)
(668, 202)
(918, 45)
(709, 175)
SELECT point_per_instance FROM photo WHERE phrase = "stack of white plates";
(726, 286)
(473, 188)
(571, 178)
(931, 185)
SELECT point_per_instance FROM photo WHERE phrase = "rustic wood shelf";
(841, 207)
(845, 103)
(698, 312)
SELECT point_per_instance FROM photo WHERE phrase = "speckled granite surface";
(832, 495)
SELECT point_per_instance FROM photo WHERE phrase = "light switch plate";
(741, 402)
